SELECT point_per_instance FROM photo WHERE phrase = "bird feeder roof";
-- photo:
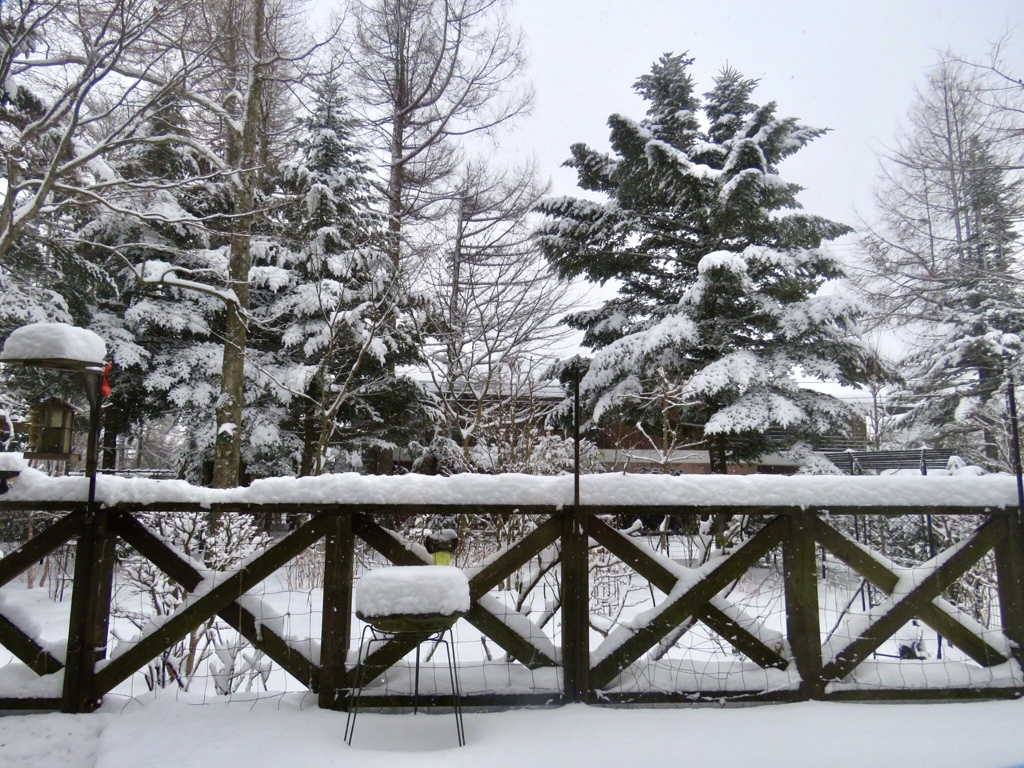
(54, 345)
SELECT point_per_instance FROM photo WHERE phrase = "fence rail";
(796, 660)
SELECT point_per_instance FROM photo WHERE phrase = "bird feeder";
(50, 430)
(62, 347)
(441, 544)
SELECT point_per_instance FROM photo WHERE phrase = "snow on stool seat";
(413, 598)
(421, 602)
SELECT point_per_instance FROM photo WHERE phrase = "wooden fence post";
(1010, 577)
(575, 608)
(90, 611)
(339, 561)
(800, 580)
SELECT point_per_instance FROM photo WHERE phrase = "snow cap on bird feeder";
(64, 347)
(55, 345)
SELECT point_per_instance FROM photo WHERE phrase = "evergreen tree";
(719, 304)
(342, 312)
(162, 338)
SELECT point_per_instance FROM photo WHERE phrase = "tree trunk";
(312, 418)
(717, 457)
(242, 154)
(228, 448)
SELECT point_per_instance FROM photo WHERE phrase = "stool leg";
(453, 674)
(357, 691)
(416, 683)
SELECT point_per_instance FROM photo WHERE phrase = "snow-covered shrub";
(235, 663)
(146, 594)
(811, 463)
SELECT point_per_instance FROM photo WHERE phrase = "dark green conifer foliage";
(719, 272)
(344, 317)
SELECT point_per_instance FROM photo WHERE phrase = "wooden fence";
(585, 674)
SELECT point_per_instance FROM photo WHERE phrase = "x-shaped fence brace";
(25, 648)
(702, 600)
(699, 596)
(208, 599)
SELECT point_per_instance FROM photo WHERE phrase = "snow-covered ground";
(169, 732)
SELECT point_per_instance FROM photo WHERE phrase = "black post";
(575, 583)
(1015, 440)
(89, 620)
(1010, 551)
(931, 553)
(91, 379)
(576, 430)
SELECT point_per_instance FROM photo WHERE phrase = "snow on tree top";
(413, 589)
(54, 341)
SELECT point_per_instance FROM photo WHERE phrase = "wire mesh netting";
(213, 660)
(695, 657)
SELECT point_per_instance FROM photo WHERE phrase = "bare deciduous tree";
(920, 248)
(431, 72)
(943, 258)
(75, 89)
(498, 303)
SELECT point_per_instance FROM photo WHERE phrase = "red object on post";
(105, 389)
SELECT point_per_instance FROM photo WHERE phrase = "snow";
(12, 462)
(169, 733)
(928, 674)
(733, 262)
(286, 728)
(413, 589)
(708, 677)
(992, 491)
(54, 341)
(19, 682)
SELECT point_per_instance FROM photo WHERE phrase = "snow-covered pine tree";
(344, 316)
(153, 212)
(162, 338)
(719, 305)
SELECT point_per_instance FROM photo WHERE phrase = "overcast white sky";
(848, 66)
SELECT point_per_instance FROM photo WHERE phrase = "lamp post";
(62, 347)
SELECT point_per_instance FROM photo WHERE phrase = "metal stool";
(422, 628)
(416, 603)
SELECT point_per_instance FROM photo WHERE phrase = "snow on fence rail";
(653, 589)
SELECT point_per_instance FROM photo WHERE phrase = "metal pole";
(576, 431)
(931, 554)
(1015, 440)
(92, 379)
